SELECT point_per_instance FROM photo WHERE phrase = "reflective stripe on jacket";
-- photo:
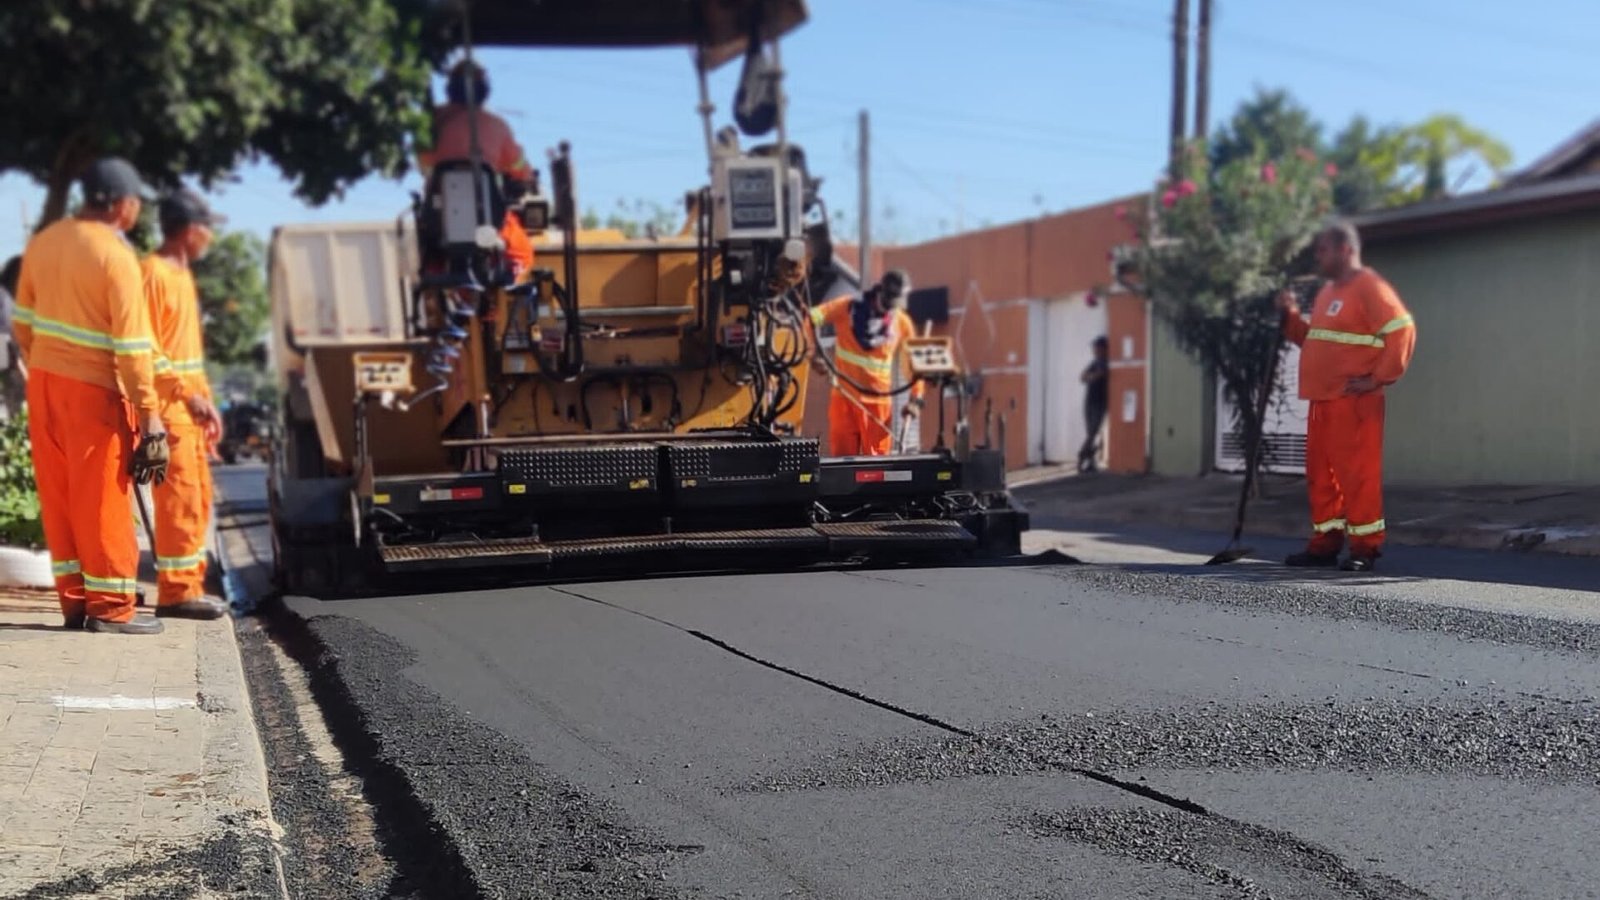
(870, 367)
(81, 312)
(1358, 329)
(174, 304)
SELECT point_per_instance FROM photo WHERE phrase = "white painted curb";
(21, 567)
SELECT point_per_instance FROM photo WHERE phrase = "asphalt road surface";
(1141, 727)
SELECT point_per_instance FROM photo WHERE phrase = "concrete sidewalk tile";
(104, 809)
(81, 731)
(22, 867)
(21, 757)
(92, 857)
(133, 725)
(93, 774)
(13, 784)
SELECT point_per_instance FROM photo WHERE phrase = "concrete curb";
(1093, 511)
(233, 753)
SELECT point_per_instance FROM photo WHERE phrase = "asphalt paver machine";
(628, 405)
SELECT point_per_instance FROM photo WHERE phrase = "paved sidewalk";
(129, 765)
(1553, 519)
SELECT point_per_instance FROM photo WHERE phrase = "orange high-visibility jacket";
(93, 326)
(180, 344)
(869, 367)
(1357, 329)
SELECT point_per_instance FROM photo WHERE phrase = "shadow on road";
(1400, 564)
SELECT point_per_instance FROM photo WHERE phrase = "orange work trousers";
(1344, 474)
(183, 517)
(82, 438)
(852, 431)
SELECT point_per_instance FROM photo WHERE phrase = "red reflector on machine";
(873, 476)
(460, 493)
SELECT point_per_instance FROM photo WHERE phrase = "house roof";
(1568, 158)
(1538, 198)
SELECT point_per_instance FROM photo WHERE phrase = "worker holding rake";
(1359, 340)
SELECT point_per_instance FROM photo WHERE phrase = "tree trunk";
(75, 153)
(55, 200)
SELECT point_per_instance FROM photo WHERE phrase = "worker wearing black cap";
(83, 328)
(183, 500)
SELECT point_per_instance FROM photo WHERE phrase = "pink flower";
(1306, 154)
(1169, 198)
(1186, 187)
(1269, 173)
(1122, 212)
(1330, 170)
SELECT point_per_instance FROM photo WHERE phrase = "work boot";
(198, 608)
(73, 621)
(135, 625)
(1305, 559)
(1359, 564)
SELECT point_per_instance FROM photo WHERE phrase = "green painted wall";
(1181, 408)
(1505, 384)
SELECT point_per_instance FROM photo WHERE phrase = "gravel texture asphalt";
(1140, 728)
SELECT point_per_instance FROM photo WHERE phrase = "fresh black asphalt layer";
(1075, 731)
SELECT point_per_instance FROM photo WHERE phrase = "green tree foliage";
(329, 90)
(233, 298)
(1271, 125)
(1216, 248)
(636, 219)
(1378, 166)
(19, 496)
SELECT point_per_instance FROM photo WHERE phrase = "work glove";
(150, 460)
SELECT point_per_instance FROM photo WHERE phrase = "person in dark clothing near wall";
(1096, 398)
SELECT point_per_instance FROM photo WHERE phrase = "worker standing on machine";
(83, 329)
(870, 334)
(466, 88)
(183, 500)
(1358, 342)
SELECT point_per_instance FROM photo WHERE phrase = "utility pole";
(1180, 82)
(864, 176)
(1202, 72)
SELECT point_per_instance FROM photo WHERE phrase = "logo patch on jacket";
(1335, 306)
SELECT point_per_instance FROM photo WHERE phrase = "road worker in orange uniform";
(183, 500)
(83, 329)
(452, 140)
(1358, 342)
(870, 334)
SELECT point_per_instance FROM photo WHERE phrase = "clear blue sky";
(992, 111)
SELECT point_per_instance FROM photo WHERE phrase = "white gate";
(1284, 434)
(1070, 326)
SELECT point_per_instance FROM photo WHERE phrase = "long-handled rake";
(1233, 552)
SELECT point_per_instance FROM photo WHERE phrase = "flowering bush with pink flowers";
(1212, 251)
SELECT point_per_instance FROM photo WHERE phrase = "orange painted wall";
(991, 276)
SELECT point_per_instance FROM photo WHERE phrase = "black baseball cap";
(111, 178)
(185, 207)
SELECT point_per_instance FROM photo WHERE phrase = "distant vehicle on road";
(245, 433)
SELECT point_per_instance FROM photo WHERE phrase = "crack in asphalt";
(720, 644)
(1140, 790)
(1552, 742)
